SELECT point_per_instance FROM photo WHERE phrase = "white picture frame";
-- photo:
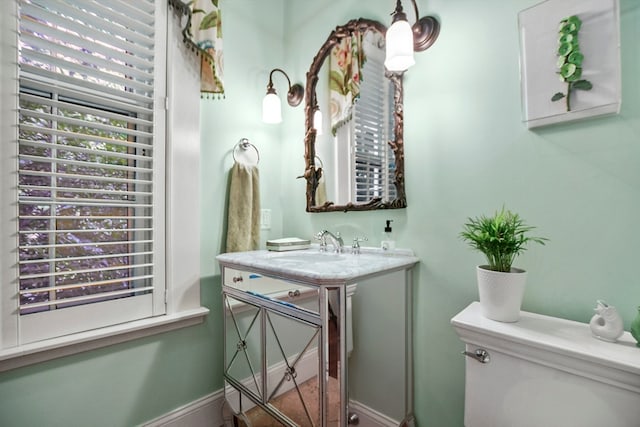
(599, 43)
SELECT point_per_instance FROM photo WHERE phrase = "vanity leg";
(344, 395)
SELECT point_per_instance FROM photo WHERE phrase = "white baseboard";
(207, 411)
(203, 412)
(369, 417)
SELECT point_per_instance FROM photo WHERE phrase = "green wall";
(128, 384)
(121, 385)
(467, 153)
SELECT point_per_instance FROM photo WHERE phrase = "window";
(119, 149)
(372, 159)
(90, 167)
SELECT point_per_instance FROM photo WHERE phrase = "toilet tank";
(547, 372)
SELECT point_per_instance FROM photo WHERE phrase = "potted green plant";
(501, 238)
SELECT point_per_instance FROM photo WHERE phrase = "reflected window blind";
(86, 152)
(373, 160)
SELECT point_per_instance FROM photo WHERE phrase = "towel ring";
(245, 145)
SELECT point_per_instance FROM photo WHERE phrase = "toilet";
(546, 372)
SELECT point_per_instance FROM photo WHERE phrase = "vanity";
(316, 338)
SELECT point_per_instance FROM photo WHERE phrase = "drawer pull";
(293, 294)
(481, 355)
(237, 279)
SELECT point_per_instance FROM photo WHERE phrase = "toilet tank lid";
(553, 342)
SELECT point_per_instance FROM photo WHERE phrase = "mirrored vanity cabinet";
(315, 338)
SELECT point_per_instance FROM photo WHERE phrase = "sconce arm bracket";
(425, 30)
(295, 93)
(425, 33)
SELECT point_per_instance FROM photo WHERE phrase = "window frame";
(182, 210)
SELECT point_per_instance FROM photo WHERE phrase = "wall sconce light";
(403, 39)
(271, 106)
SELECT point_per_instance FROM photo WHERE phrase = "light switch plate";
(265, 219)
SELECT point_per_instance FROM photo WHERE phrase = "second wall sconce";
(403, 39)
(271, 105)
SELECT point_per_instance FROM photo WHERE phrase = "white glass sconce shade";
(271, 108)
(403, 39)
(399, 46)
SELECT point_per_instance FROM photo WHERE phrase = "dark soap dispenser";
(388, 243)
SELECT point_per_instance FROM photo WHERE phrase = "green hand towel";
(243, 217)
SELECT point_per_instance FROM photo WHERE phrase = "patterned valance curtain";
(206, 27)
(203, 34)
(345, 75)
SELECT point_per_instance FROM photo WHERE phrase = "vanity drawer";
(293, 294)
(235, 278)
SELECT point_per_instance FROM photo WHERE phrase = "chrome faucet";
(334, 239)
(355, 248)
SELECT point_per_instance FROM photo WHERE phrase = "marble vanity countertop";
(321, 268)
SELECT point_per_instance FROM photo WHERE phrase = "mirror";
(355, 157)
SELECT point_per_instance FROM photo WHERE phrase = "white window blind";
(374, 163)
(90, 186)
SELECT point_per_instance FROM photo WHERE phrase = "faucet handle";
(355, 248)
(321, 235)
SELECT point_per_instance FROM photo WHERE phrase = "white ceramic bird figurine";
(607, 323)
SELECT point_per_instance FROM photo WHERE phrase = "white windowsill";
(64, 346)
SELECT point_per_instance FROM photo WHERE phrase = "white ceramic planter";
(501, 293)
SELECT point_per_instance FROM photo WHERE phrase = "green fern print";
(570, 59)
